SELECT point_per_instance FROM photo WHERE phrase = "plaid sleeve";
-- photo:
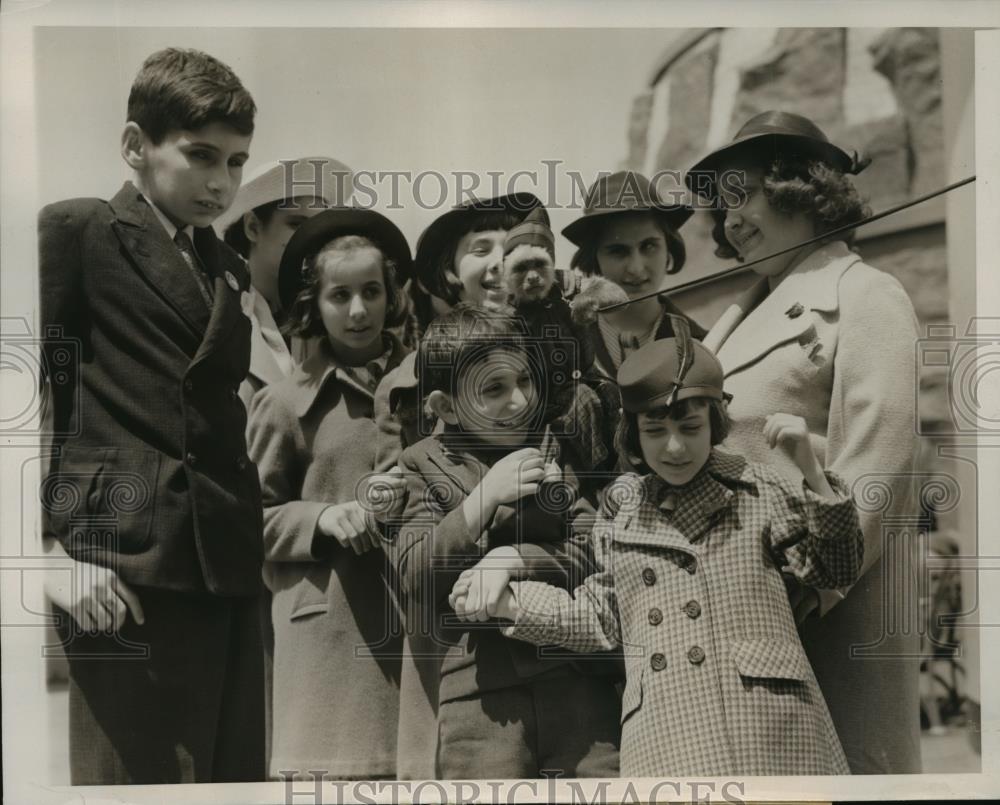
(819, 539)
(585, 620)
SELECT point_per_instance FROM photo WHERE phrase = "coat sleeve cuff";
(290, 533)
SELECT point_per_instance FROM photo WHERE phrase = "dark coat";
(151, 475)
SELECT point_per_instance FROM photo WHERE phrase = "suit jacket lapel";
(226, 307)
(782, 315)
(153, 253)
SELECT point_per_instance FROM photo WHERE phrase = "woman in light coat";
(829, 338)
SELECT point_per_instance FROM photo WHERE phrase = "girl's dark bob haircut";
(627, 435)
(304, 319)
(796, 183)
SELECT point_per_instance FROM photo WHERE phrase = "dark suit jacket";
(151, 474)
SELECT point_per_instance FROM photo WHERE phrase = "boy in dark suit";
(153, 496)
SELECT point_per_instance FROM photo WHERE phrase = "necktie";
(186, 248)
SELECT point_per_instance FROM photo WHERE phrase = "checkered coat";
(717, 680)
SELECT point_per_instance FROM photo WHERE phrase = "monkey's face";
(530, 278)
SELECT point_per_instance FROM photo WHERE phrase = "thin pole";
(847, 227)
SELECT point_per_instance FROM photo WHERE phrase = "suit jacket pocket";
(771, 658)
(103, 499)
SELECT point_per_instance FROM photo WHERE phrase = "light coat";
(337, 643)
(717, 682)
(835, 343)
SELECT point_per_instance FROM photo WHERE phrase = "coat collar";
(264, 364)
(768, 320)
(309, 379)
(665, 329)
(688, 511)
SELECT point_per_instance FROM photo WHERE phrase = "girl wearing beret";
(689, 584)
(828, 338)
(336, 652)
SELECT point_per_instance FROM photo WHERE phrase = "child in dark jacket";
(497, 481)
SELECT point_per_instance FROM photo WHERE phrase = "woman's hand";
(790, 433)
(384, 495)
(97, 599)
(347, 523)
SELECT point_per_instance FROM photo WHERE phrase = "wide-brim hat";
(455, 222)
(623, 192)
(320, 177)
(768, 136)
(319, 230)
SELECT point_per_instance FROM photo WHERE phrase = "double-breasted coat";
(717, 682)
(337, 642)
(834, 343)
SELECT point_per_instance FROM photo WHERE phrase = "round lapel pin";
(795, 311)
(232, 281)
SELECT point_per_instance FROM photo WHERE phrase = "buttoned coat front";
(337, 643)
(835, 343)
(717, 682)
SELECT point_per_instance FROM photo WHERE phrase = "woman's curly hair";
(304, 319)
(797, 184)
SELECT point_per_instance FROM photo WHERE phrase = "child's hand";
(347, 523)
(513, 477)
(97, 599)
(791, 434)
(384, 495)
(485, 586)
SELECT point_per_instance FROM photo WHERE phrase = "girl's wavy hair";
(797, 183)
(627, 435)
(304, 319)
(585, 257)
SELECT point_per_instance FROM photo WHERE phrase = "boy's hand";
(791, 434)
(513, 477)
(384, 495)
(347, 523)
(97, 599)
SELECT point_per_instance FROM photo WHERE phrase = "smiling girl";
(336, 661)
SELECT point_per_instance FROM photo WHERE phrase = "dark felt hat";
(767, 136)
(456, 221)
(625, 191)
(319, 230)
(667, 370)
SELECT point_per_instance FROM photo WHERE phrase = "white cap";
(313, 177)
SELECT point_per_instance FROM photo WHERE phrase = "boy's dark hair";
(585, 257)
(461, 338)
(181, 89)
(304, 318)
(797, 184)
(627, 435)
(441, 278)
(235, 235)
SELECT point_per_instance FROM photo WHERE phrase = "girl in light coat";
(689, 582)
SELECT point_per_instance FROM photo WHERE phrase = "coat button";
(690, 565)
(191, 459)
(696, 654)
(692, 609)
(241, 463)
(188, 385)
(657, 662)
(655, 617)
(649, 576)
